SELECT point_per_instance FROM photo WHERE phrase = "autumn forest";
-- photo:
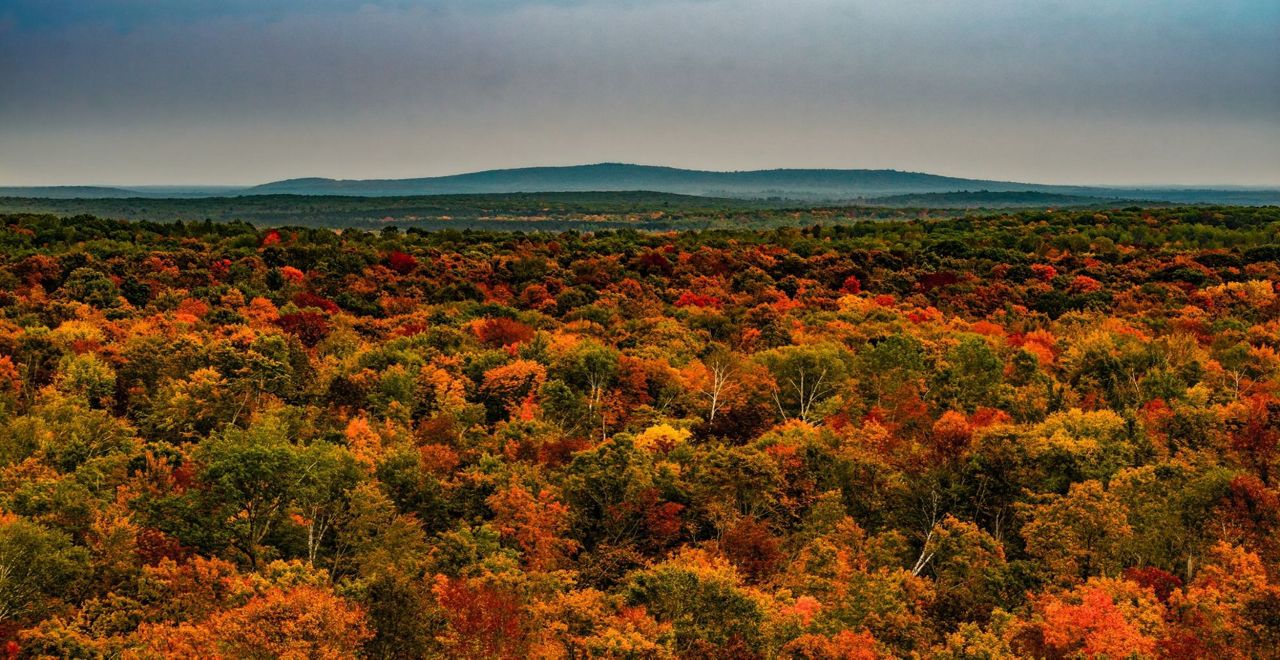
(1043, 434)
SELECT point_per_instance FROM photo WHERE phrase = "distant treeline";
(546, 212)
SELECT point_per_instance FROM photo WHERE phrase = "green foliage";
(704, 602)
(39, 569)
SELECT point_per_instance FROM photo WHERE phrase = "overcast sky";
(247, 91)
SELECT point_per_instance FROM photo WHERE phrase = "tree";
(971, 576)
(752, 548)
(843, 645)
(721, 366)
(591, 369)
(512, 386)
(1077, 535)
(590, 623)
(890, 367)
(1228, 610)
(502, 331)
(91, 287)
(701, 597)
(484, 621)
(603, 487)
(329, 473)
(1103, 618)
(251, 479)
(39, 568)
(805, 376)
(536, 523)
(309, 327)
(971, 374)
(87, 376)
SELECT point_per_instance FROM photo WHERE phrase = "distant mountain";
(66, 192)
(114, 192)
(829, 185)
(800, 185)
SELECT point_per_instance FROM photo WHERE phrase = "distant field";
(538, 211)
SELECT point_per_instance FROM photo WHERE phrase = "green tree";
(251, 478)
(39, 567)
(806, 376)
(970, 375)
(91, 287)
(703, 598)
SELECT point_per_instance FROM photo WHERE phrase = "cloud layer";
(1089, 91)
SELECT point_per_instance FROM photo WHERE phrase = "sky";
(1123, 92)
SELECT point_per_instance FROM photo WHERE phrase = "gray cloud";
(1092, 91)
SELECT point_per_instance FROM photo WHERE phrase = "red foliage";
(752, 548)
(662, 520)
(1249, 497)
(410, 329)
(654, 262)
(183, 476)
(309, 299)
(438, 459)
(559, 451)
(988, 329)
(220, 268)
(271, 238)
(844, 645)
(984, 417)
(1256, 438)
(690, 299)
(309, 327)
(1044, 271)
(536, 296)
(951, 436)
(483, 621)
(1251, 512)
(501, 331)
(852, 285)
(932, 281)
(1088, 623)
(155, 546)
(400, 262)
(1085, 284)
(1162, 582)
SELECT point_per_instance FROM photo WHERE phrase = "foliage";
(1032, 434)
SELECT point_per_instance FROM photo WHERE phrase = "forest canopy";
(1027, 434)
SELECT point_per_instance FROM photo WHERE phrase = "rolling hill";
(860, 186)
(797, 183)
(857, 185)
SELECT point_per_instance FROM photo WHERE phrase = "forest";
(553, 211)
(1020, 434)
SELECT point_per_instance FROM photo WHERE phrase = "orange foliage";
(501, 331)
(536, 523)
(364, 442)
(299, 623)
(1102, 619)
(844, 645)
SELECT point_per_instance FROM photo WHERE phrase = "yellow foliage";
(76, 331)
(662, 437)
